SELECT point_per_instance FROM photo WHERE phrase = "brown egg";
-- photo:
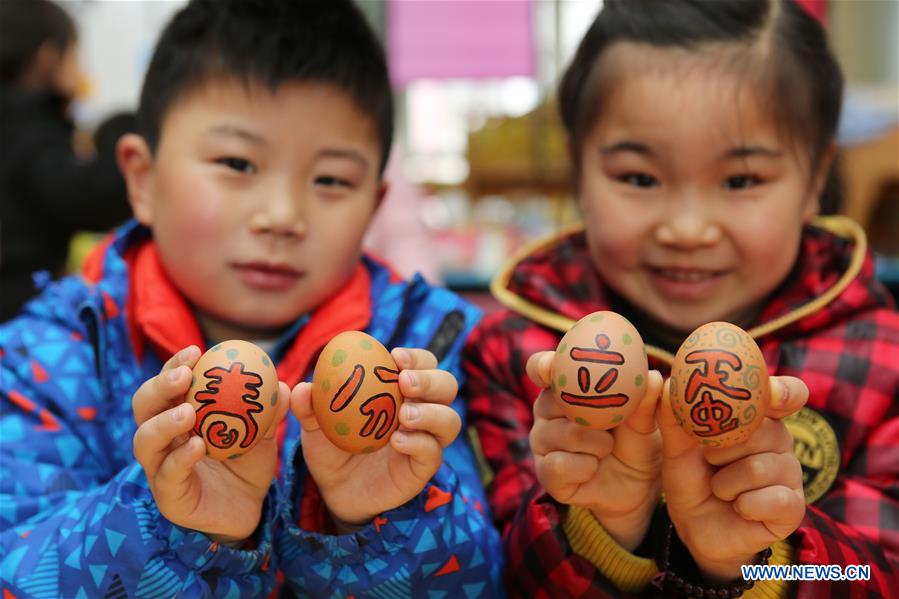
(355, 392)
(234, 392)
(719, 385)
(599, 371)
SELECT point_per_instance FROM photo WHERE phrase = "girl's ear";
(136, 163)
(816, 189)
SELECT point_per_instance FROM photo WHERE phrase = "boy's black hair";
(789, 47)
(25, 25)
(268, 42)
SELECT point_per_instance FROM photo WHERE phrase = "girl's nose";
(689, 225)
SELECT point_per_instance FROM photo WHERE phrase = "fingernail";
(411, 411)
(410, 378)
(175, 374)
(400, 437)
(180, 413)
(185, 353)
(784, 394)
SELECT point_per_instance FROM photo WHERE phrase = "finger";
(676, 441)
(425, 453)
(561, 434)
(301, 406)
(547, 406)
(643, 420)
(153, 438)
(561, 473)
(756, 472)
(788, 395)
(441, 422)
(539, 368)
(280, 410)
(160, 393)
(772, 436)
(433, 386)
(177, 468)
(779, 508)
(413, 358)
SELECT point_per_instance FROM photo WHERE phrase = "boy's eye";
(639, 180)
(741, 182)
(329, 181)
(237, 164)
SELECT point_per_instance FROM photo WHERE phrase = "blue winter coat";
(77, 518)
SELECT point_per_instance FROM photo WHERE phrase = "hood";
(553, 282)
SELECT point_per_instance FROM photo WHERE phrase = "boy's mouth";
(684, 283)
(268, 276)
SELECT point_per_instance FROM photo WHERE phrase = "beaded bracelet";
(680, 587)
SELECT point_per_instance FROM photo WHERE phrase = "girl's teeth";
(687, 276)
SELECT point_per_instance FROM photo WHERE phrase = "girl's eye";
(741, 182)
(639, 180)
(237, 164)
(329, 181)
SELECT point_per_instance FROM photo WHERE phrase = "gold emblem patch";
(815, 445)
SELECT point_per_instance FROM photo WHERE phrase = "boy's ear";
(821, 175)
(136, 163)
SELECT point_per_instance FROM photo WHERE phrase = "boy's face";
(693, 203)
(258, 200)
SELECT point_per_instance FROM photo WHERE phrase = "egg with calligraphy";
(719, 386)
(234, 391)
(355, 392)
(599, 371)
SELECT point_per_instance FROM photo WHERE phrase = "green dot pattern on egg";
(326, 385)
(618, 418)
(342, 428)
(581, 421)
(368, 449)
(232, 354)
(597, 317)
(562, 347)
(338, 358)
(193, 380)
(638, 380)
(626, 339)
(217, 347)
(234, 456)
(365, 344)
(274, 398)
(264, 360)
(562, 380)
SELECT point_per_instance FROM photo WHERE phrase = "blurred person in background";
(47, 190)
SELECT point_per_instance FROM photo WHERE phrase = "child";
(701, 135)
(47, 192)
(265, 127)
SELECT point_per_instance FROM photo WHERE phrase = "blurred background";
(480, 166)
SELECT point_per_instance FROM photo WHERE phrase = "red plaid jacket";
(830, 324)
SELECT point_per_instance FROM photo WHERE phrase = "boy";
(265, 129)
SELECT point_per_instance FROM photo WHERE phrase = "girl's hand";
(356, 488)
(729, 504)
(614, 473)
(222, 499)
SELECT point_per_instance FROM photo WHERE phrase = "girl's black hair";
(25, 25)
(268, 42)
(801, 75)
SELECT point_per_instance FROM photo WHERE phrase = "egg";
(599, 371)
(355, 392)
(234, 391)
(719, 385)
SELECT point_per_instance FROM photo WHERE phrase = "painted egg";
(234, 392)
(719, 385)
(599, 371)
(355, 392)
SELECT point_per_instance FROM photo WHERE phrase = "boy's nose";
(281, 216)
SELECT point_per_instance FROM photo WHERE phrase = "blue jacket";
(77, 518)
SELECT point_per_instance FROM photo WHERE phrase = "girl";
(702, 135)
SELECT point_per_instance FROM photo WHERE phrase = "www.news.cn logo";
(806, 572)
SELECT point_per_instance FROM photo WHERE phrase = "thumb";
(539, 368)
(643, 420)
(301, 406)
(788, 395)
(676, 441)
(685, 473)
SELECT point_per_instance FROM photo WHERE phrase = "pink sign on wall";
(459, 38)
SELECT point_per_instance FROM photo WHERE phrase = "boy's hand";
(222, 499)
(729, 504)
(356, 488)
(614, 473)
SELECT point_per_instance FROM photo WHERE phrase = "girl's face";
(693, 203)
